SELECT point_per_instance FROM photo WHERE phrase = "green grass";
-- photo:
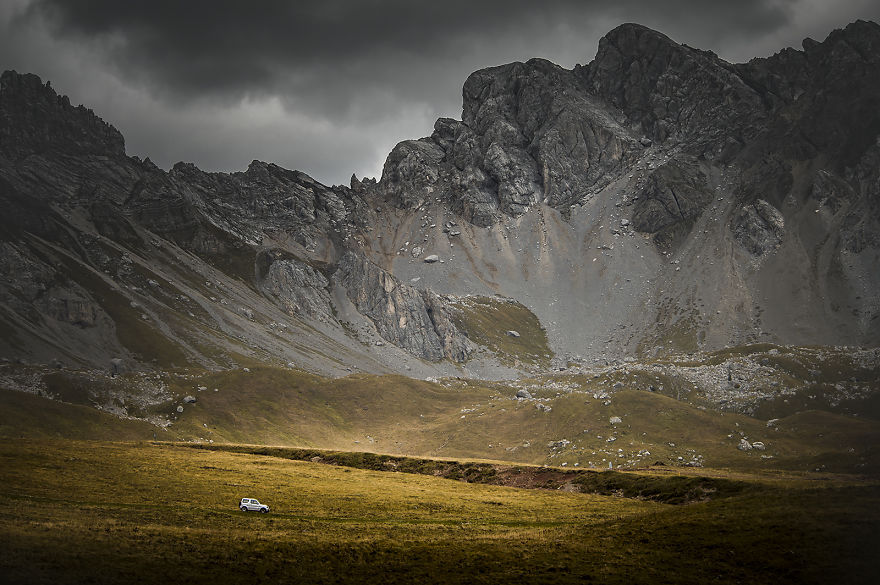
(395, 415)
(31, 416)
(288, 407)
(357, 471)
(144, 513)
(470, 472)
(486, 320)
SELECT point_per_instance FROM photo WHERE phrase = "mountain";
(655, 201)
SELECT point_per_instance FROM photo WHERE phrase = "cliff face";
(418, 321)
(753, 181)
(657, 199)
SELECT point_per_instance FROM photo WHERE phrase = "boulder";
(117, 366)
(523, 394)
(675, 192)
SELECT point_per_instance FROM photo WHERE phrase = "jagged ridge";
(657, 198)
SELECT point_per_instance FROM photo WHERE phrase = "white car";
(250, 504)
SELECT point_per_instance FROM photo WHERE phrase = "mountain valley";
(658, 263)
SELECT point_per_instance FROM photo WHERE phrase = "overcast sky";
(330, 86)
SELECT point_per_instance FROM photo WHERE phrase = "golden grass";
(27, 415)
(403, 416)
(145, 513)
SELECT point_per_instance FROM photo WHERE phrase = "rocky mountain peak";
(667, 89)
(656, 199)
(828, 95)
(862, 35)
(631, 39)
(35, 119)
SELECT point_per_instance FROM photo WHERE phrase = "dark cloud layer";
(331, 85)
(232, 49)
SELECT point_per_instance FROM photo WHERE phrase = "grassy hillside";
(491, 322)
(397, 415)
(569, 422)
(27, 415)
(145, 513)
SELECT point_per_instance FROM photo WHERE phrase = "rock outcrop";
(530, 133)
(34, 120)
(299, 289)
(668, 90)
(415, 320)
(675, 192)
(759, 227)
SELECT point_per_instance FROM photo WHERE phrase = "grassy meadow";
(143, 512)
(387, 479)
(571, 421)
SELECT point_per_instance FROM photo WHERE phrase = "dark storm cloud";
(330, 86)
(304, 49)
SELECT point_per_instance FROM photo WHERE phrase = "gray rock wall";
(414, 320)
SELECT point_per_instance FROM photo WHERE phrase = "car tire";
(263, 510)
(244, 508)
